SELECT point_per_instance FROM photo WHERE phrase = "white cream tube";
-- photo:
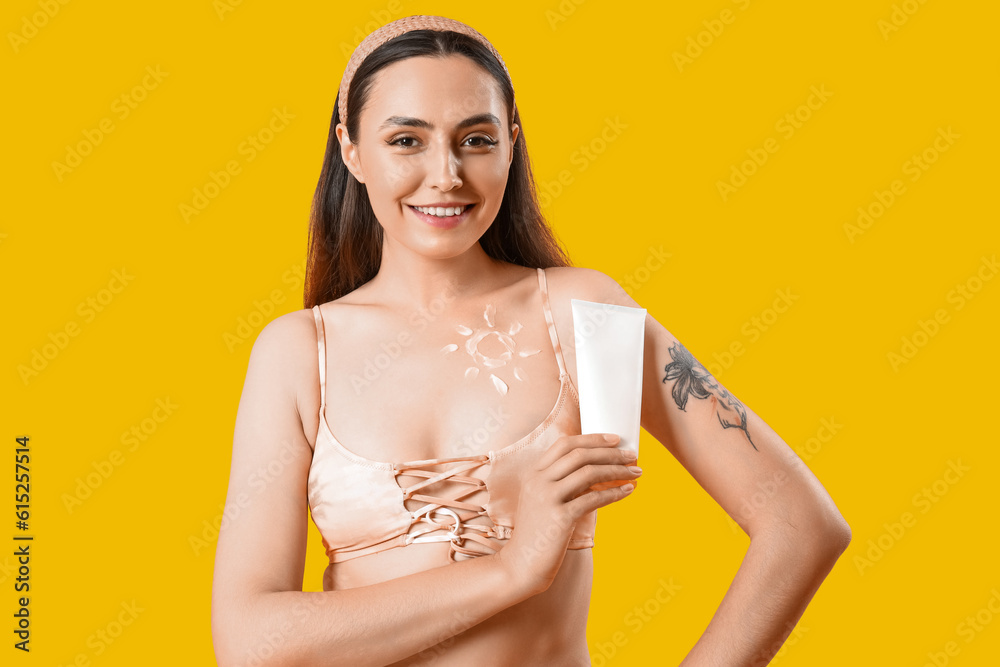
(609, 343)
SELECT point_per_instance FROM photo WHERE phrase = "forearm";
(370, 625)
(778, 577)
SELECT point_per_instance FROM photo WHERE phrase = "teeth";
(439, 211)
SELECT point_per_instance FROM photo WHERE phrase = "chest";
(459, 388)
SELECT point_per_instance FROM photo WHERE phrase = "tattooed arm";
(796, 536)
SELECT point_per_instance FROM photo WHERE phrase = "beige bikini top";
(362, 507)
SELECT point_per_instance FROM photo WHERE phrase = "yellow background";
(653, 184)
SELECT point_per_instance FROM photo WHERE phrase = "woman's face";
(432, 134)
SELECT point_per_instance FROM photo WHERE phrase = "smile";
(446, 217)
(442, 212)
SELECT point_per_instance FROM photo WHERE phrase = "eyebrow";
(409, 121)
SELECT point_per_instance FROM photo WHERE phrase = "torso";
(377, 399)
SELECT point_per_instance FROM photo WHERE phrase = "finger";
(617, 482)
(566, 443)
(580, 457)
(592, 500)
(580, 481)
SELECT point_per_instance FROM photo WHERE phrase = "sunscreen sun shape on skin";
(609, 342)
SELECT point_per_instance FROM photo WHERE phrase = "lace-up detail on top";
(452, 513)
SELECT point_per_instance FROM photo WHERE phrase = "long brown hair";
(345, 238)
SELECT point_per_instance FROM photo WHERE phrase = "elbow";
(828, 540)
(235, 648)
(222, 645)
(824, 538)
(818, 536)
(830, 530)
(237, 640)
(226, 638)
(838, 535)
(812, 524)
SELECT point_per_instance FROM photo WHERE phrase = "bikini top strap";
(556, 347)
(321, 344)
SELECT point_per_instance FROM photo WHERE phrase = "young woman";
(440, 451)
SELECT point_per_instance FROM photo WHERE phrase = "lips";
(444, 222)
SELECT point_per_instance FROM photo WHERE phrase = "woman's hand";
(554, 496)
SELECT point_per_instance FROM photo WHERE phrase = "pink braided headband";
(395, 29)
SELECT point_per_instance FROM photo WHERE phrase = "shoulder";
(579, 282)
(283, 337)
(284, 358)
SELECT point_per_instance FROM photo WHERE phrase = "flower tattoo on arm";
(693, 379)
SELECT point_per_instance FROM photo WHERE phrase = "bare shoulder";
(285, 339)
(284, 363)
(580, 282)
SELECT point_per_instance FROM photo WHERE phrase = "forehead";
(443, 88)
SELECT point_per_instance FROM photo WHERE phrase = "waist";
(513, 636)
(511, 648)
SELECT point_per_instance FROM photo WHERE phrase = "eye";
(484, 141)
(398, 141)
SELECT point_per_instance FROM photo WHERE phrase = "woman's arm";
(796, 532)
(260, 615)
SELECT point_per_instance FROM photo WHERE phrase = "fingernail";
(610, 437)
(627, 488)
(636, 469)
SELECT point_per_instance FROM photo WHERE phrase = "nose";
(444, 169)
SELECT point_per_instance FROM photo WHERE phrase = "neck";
(406, 279)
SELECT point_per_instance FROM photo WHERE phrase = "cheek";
(400, 175)
(390, 180)
(488, 174)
